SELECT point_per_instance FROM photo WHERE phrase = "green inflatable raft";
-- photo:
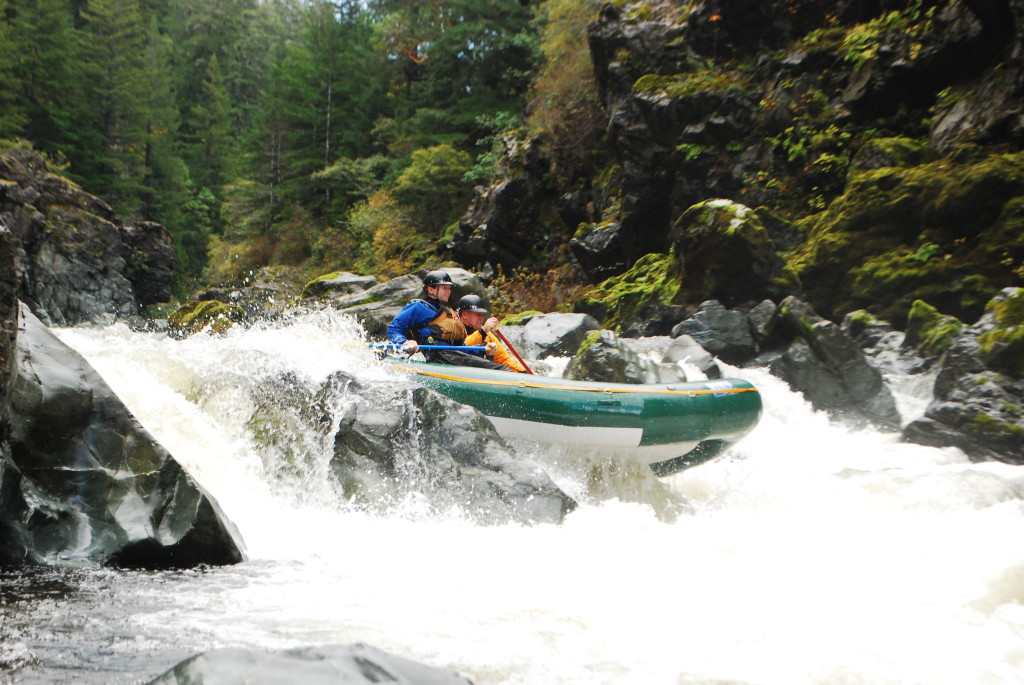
(671, 427)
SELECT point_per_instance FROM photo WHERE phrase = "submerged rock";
(322, 665)
(394, 441)
(82, 482)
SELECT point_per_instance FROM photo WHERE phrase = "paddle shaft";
(464, 348)
(501, 336)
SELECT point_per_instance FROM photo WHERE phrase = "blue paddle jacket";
(413, 323)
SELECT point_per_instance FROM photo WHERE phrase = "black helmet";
(471, 303)
(437, 278)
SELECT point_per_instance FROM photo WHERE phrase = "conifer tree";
(322, 101)
(116, 91)
(12, 114)
(44, 54)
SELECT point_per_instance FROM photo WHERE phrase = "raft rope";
(528, 384)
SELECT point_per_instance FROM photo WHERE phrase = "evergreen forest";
(326, 134)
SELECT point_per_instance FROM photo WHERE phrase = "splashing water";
(808, 554)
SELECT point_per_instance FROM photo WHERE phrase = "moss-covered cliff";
(883, 139)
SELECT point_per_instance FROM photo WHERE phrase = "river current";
(809, 554)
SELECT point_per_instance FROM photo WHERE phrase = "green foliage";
(522, 294)
(431, 187)
(200, 220)
(116, 88)
(490, 161)
(564, 106)
(12, 112)
(45, 81)
(387, 234)
(925, 252)
(861, 42)
(934, 231)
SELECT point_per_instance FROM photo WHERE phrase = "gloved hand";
(410, 346)
(490, 348)
(490, 324)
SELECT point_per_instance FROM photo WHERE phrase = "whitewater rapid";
(808, 554)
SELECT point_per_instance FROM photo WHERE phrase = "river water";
(808, 554)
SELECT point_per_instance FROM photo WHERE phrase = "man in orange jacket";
(472, 313)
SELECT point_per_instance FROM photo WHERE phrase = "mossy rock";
(622, 296)
(878, 153)
(985, 426)
(722, 251)
(1003, 347)
(946, 232)
(520, 319)
(195, 315)
(315, 287)
(930, 332)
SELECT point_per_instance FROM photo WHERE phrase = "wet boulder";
(724, 333)
(321, 665)
(687, 350)
(82, 482)
(637, 302)
(338, 283)
(395, 441)
(831, 370)
(197, 315)
(604, 357)
(979, 389)
(557, 335)
(929, 332)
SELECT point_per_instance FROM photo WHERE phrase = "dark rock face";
(886, 131)
(323, 665)
(497, 226)
(151, 262)
(604, 251)
(73, 259)
(503, 224)
(393, 440)
(82, 482)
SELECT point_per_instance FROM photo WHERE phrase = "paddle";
(501, 336)
(465, 348)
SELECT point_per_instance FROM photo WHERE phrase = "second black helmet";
(471, 303)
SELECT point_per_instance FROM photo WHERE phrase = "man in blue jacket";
(432, 321)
